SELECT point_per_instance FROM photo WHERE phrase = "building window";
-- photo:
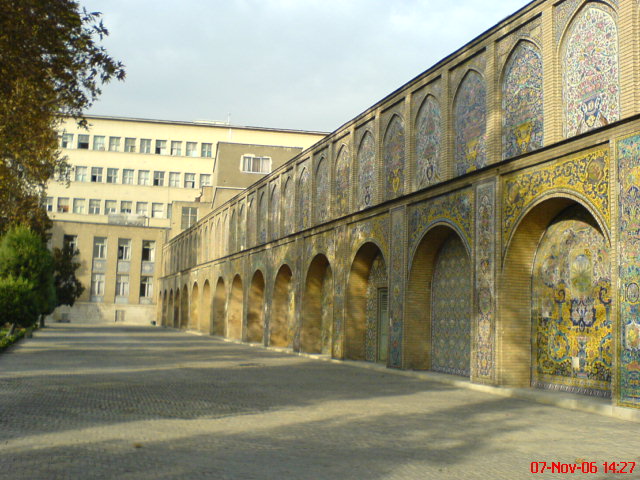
(189, 180)
(145, 145)
(189, 217)
(100, 247)
(94, 206)
(83, 142)
(112, 175)
(146, 287)
(174, 179)
(97, 284)
(130, 145)
(253, 164)
(143, 177)
(110, 206)
(142, 208)
(206, 150)
(148, 251)
(161, 147)
(70, 241)
(192, 149)
(78, 205)
(66, 141)
(205, 180)
(81, 174)
(114, 144)
(63, 204)
(176, 148)
(98, 142)
(127, 176)
(125, 206)
(48, 204)
(156, 210)
(122, 285)
(158, 179)
(96, 174)
(169, 210)
(124, 249)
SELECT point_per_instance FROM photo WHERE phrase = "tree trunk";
(42, 321)
(11, 330)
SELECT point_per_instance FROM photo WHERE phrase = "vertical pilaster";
(552, 79)
(446, 103)
(494, 110)
(397, 284)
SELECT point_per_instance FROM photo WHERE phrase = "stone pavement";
(107, 402)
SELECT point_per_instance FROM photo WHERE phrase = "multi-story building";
(134, 183)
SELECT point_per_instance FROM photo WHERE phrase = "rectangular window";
(122, 285)
(112, 175)
(71, 241)
(66, 141)
(81, 174)
(189, 180)
(192, 149)
(100, 247)
(145, 145)
(206, 150)
(114, 144)
(174, 179)
(156, 210)
(176, 148)
(97, 284)
(158, 179)
(189, 217)
(142, 208)
(148, 251)
(110, 206)
(161, 147)
(125, 206)
(94, 206)
(205, 180)
(48, 204)
(143, 177)
(124, 249)
(98, 142)
(127, 176)
(252, 164)
(78, 205)
(130, 145)
(63, 204)
(96, 174)
(169, 210)
(83, 142)
(146, 287)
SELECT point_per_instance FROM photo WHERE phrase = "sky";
(300, 64)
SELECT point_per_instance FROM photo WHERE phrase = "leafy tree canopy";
(68, 287)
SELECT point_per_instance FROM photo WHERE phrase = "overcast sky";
(302, 64)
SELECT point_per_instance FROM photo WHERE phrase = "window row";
(128, 177)
(132, 145)
(122, 285)
(95, 207)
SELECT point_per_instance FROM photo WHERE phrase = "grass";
(6, 342)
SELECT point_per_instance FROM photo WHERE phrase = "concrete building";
(483, 220)
(133, 184)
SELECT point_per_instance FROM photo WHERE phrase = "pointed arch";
(263, 218)
(288, 206)
(428, 145)
(281, 325)
(317, 308)
(194, 307)
(274, 212)
(304, 199)
(367, 172)
(393, 148)
(235, 311)
(206, 325)
(342, 180)
(219, 310)
(470, 123)
(322, 192)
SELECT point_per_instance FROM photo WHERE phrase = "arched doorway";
(205, 320)
(281, 325)
(367, 313)
(317, 313)
(176, 309)
(194, 308)
(255, 313)
(165, 302)
(235, 310)
(219, 301)
(184, 307)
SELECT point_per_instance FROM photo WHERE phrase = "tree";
(51, 65)
(68, 287)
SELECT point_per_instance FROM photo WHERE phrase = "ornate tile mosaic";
(428, 142)
(263, 217)
(323, 191)
(304, 198)
(454, 209)
(451, 310)
(232, 232)
(397, 262)
(470, 121)
(377, 279)
(288, 204)
(563, 13)
(586, 175)
(367, 178)
(522, 101)
(394, 157)
(327, 311)
(571, 307)
(376, 229)
(343, 181)
(591, 86)
(629, 270)
(531, 31)
(274, 219)
(485, 279)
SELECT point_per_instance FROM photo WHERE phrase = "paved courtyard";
(88, 402)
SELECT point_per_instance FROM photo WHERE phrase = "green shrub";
(18, 302)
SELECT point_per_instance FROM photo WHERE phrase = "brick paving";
(107, 402)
